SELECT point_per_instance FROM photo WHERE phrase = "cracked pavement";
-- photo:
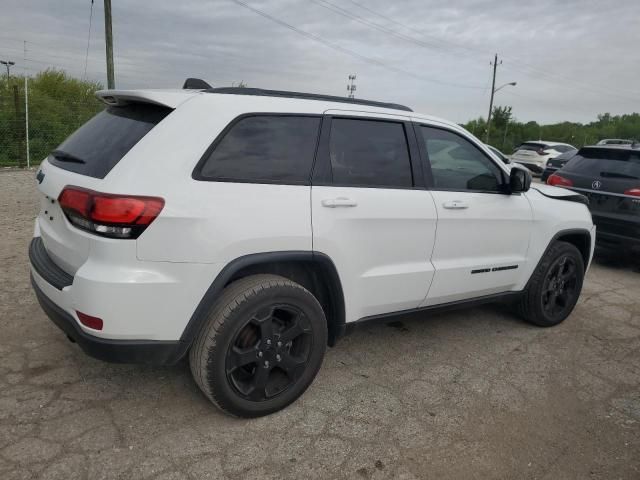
(473, 393)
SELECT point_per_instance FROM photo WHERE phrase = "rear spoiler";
(165, 98)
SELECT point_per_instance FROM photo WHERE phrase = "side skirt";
(440, 308)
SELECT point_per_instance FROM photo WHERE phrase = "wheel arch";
(313, 270)
(579, 238)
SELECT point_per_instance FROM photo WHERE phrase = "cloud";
(571, 59)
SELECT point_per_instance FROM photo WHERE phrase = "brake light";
(558, 181)
(634, 192)
(115, 216)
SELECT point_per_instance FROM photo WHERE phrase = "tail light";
(558, 181)
(115, 216)
(634, 192)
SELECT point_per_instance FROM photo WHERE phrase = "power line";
(347, 51)
(525, 68)
(381, 28)
(444, 43)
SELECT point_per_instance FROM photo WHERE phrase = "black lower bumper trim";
(612, 240)
(148, 352)
(46, 267)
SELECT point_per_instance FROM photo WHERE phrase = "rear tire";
(554, 287)
(261, 347)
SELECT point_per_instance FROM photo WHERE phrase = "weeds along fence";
(34, 119)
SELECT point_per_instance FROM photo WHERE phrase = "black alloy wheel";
(270, 353)
(261, 347)
(554, 287)
(559, 290)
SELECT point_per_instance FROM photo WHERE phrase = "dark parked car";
(610, 177)
(557, 163)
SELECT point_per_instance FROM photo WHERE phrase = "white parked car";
(615, 141)
(535, 154)
(248, 228)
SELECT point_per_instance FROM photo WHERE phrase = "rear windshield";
(532, 146)
(97, 146)
(606, 162)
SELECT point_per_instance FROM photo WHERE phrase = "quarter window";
(369, 153)
(265, 148)
(456, 164)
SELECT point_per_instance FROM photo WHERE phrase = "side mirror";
(519, 179)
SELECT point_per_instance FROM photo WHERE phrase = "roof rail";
(306, 96)
(195, 84)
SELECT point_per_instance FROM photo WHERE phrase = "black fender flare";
(201, 312)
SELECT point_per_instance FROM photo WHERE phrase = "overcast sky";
(571, 59)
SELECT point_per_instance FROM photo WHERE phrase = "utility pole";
(351, 87)
(108, 37)
(26, 108)
(493, 91)
(8, 64)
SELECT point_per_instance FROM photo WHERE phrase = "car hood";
(559, 193)
(554, 192)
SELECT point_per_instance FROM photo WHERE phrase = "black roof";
(306, 96)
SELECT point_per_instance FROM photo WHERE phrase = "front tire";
(554, 287)
(261, 347)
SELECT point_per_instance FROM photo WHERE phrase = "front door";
(483, 234)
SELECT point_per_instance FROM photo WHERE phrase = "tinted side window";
(562, 148)
(456, 164)
(369, 153)
(265, 148)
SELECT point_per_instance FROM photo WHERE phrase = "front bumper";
(118, 351)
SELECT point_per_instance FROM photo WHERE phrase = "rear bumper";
(615, 233)
(118, 351)
(145, 306)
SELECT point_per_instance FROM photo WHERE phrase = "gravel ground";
(469, 394)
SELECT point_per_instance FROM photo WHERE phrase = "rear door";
(483, 235)
(371, 213)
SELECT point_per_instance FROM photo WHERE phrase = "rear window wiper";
(66, 157)
(618, 175)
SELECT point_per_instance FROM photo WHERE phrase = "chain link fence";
(34, 119)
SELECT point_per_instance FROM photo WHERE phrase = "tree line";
(506, 133)
(59, 104)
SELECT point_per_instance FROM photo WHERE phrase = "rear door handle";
(339, 202)
(455, 205)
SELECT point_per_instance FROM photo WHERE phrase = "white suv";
(535, 155)
(248, 228)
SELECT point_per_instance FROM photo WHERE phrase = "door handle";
(455, 205)
(339, 202)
